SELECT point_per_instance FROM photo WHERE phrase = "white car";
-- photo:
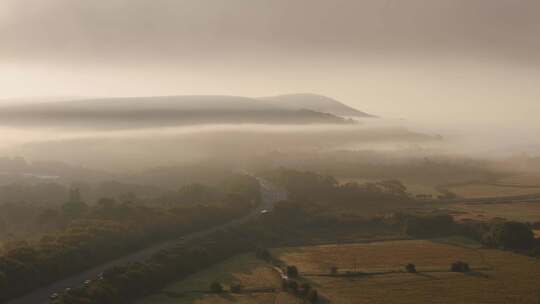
(264, 211)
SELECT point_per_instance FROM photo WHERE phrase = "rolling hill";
(136, 112)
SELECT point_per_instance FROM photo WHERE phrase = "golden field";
(497, 276)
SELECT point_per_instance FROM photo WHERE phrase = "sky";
(470, 62)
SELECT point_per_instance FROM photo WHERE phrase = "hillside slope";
(314, 102)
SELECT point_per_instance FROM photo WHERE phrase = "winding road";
(269, 196)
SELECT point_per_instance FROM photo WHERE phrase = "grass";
(244, 269)
(504, 277)
(459, 241)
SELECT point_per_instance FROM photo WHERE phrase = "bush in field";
(216, 287)
(410, 268)
(460, 266)
(292, 271)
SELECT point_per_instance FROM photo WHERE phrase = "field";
(522, 212)
(528, 180)
(522, 184)
(490, 190)
(244, 269)
(497, 277)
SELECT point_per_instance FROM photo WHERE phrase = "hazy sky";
(457, 60)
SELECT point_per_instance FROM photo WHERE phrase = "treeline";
(234, 188)
(108, 229)
(506, 235)
(378, 165)
(314, 187)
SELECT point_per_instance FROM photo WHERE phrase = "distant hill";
(136, 112)
(315, 102)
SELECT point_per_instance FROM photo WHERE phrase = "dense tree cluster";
(506, 235)
(106, 230)
(510, 235)
(123, 284)
(90, 241)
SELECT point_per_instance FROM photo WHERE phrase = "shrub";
(236, 288)
(459, 267)
(216, 287)
(411, 268)
(292, 271)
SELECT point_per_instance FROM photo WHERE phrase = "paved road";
(269, 196)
